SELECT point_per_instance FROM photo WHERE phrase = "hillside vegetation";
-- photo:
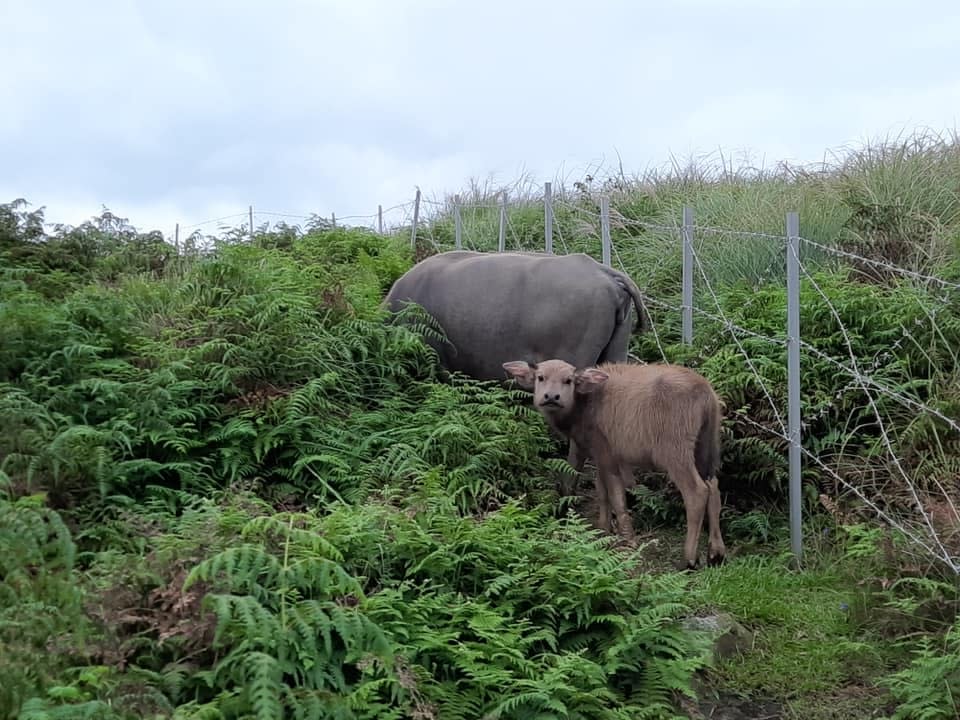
(228, 489)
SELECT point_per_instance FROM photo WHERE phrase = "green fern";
(40, 602)
(929, 688)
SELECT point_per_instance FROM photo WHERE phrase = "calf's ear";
(521, 371)
(590, 379)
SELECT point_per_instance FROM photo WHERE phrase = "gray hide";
(495, 308)
(498, 307)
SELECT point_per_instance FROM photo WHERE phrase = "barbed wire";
(880, 263)
(920, 530)
(372, 216)
(630, 222)
(449, 204)
(746, 355)
(730, 326)
(513, 232)
(885, 389)
(754, 234)
(213, 220)
(935, 547)
(281, 214)
(884, 435)
(558, 231)
(300, 216)
(840, 480)
(644, 299)
(399, 206)
(617, 217)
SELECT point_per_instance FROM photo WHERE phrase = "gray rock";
(728, 637)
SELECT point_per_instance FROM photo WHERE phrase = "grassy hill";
(229, 490)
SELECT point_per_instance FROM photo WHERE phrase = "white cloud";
(180, 112)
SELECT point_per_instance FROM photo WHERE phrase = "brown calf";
(626, 416)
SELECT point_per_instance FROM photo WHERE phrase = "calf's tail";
(707, 452)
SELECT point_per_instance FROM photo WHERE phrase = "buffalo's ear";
(589, 380)
(521, 371)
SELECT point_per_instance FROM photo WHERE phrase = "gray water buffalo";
(497, 307)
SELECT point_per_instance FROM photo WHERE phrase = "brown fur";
(625, 416)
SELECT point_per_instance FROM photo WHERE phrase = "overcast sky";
(170, 111)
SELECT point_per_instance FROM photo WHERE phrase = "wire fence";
(197, 236)
(919, 503)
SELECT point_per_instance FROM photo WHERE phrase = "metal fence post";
(380, 219)
(548, 218)
(251, 222)
(502, 245)
(457, 223)
(416, 219)
(793, 381)
(605, 229)
(687, 280)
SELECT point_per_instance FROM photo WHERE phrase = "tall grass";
(896, 200)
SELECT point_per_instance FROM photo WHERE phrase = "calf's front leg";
(602, 499)
(616, 490)
(576, 458)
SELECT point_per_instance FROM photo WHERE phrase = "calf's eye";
(567, 381)
(540, 378)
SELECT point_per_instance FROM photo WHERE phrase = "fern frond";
(247, 568)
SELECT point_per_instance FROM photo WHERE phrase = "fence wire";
(579, 230)
(917, 525)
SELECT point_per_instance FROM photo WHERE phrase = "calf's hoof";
(717, 557)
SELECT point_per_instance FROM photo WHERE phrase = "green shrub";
(929, 688)
(385, 609)
(42, 625)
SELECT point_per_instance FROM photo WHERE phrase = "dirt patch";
(730, 707)
(661, 548)
(852, 701)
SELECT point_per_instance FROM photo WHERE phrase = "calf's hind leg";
(718, 551)
(695, 498)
